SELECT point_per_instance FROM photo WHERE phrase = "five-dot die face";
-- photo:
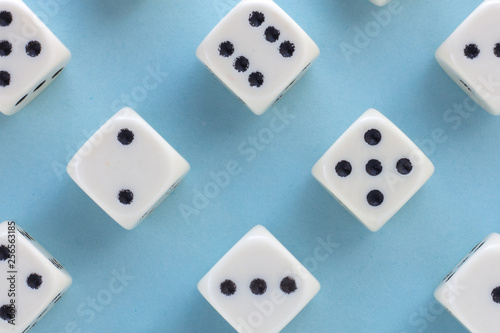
(31, 280)
(31, 57)
(258, 52)
(258, 286)
(471, 56)
(127, 168)
(373, 169)
(471, 291)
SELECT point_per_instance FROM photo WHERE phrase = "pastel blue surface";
(371, 282)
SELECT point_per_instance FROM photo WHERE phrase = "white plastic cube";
(373, 169)
(32, 280)
(127, 168)
(31, 56)
(380, 2)
(471, 291)
(258, 52)
(470, 56)
(258, 286)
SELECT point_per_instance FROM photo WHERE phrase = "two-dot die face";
(31, 57)
(373, 169)
(127, 168)
(31, 280)
(471, 56)
(258, 286)
(471, 291)
(258, 52)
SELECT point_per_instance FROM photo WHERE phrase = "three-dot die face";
(258, 286)
(471, 291)
(373, 169)
(31, 57)
(258, 52)
(471, 56)
(127, 168)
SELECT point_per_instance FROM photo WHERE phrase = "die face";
(258, 52)
(380, 2)
(471, 56)
(373, 169)
(258, 286)
(127, 168)
(40, 280)
(471, 292)
(31, 57)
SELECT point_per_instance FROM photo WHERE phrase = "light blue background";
(371, 282)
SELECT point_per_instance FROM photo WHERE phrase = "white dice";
(31, 280)
(258, 286)
(471, 56)
(471, 291)
(31, 57)
(258, 52)
(380, 2)
(373, 169)
(127, 168)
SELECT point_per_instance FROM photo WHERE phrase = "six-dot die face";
(127, 168)
(373, 169)
(258, 52)
(31, 57)
(258, 286)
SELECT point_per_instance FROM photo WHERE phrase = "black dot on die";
(34, 281)
(226, 49)
(39, 86)
(375, 198)
(495, 294)
(496, 50)
(343, 168)
(126, 197)
(256, 79)
(4, 78)
(241, 64)
(471, 51)
(228, 288)
(373, 137)
(288, 285)
(373, 167)
(7, 312)
(404, 166)
(272, 34)
(5, 18)
(57, 73)
(287, 49)
(125, 136)
(4, 253)
(258, 287)
(256, 19)
(21, 100)
(33, 48)
(5, 48)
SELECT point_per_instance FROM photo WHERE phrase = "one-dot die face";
(471, 291)
(258, 52)
(373, 169)
(31, 282)
(471, 56)
(31, 57)
(127, 168)
(258, 286)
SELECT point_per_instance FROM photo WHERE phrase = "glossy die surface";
(471, 56)
(258, 286)
(31, 280)
(373, 169)
(127, 168)
(31, 56)
(471, 291)
(258, 52)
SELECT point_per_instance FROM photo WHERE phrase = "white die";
(258, 286)
(30, 56)
(380, 2)
(39, 280)
(258, 52)
(127, 168)
(373, 169)
(471, 291)
(471, 56)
